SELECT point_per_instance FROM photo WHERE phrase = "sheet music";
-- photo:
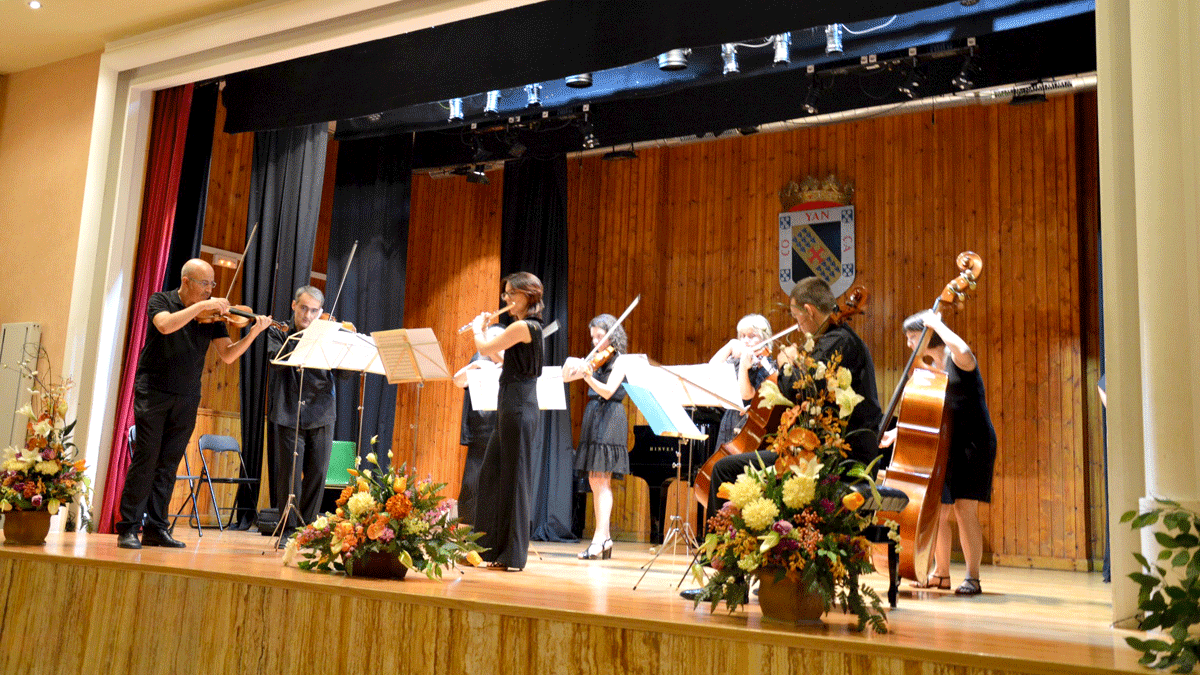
(664, 417)
(666, 382)
(410, 355)
(551, 392)
(326, 345)
(483, 385)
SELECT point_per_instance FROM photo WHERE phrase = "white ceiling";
(62, 29)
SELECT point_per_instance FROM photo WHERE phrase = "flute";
(466, 327)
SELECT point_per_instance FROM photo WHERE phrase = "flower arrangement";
(798, 518)
(388, 512)
(46, 473)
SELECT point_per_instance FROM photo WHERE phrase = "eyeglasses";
(507, 294)
(201, 283)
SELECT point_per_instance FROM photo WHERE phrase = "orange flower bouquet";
(389, 512)
(798, 518)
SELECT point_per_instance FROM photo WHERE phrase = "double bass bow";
(922, 446)
(762, 422)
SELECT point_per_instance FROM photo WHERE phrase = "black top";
(523, 361)
(857, 359)
(477, 425)
(283, 387)
(972, 429)
(173, 363)
(602, 374)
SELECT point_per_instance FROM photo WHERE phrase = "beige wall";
(45, 130)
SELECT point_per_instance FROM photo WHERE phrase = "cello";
(922, 446)
(762, 422)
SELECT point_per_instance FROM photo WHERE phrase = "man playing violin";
(167, 395)
(311, 435)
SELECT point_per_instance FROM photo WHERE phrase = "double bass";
(918, 465)
(762, 422)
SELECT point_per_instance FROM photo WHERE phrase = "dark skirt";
(603, 439)
(504, 504)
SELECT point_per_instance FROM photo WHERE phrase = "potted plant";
(386, 523)
(795, 526)
(1169, 597)
(35, 480)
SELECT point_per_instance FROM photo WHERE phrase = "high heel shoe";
(606, 552)
(595, 551)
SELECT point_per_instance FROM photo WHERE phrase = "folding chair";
(187, 475)
(216, 445)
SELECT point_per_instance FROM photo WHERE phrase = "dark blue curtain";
(188, 231)
(370, 206)
(534, 239)
(285, 200)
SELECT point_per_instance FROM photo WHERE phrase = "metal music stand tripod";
(328, 346)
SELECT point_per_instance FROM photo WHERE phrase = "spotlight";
(492, 106)
(963, 80)
(833, 38)
(910, 84)
(455, 109)
(477, 175)
(533, 95)
(580, 81)
(676, 59)
(783, 47)
(810, 99)
(729, 56)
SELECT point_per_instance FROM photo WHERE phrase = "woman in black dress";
(752, 369)
(603, 451)
(475, 430)
(972, 450)
(503, 507)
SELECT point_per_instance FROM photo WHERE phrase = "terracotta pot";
(26, 527)
(784, 600)
(378, 566)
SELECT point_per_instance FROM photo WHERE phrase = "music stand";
(660, 392)
(328, 346)
(411, 355)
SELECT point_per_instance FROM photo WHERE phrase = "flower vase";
(26, 528)
(378, 565)
(783, 600)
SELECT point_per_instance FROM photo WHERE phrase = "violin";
(922, 446)
(601, 357)
(238, 316)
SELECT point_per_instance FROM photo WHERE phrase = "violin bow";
(238, 269)
(342, 285)
(614, 326)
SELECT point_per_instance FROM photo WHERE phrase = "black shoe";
(128, 539)
(156, 537)
(691, 594)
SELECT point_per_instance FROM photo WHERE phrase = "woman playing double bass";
(972, 449)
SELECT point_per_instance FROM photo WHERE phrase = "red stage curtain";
(167, 136)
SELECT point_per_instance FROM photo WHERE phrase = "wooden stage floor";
(1027, 621)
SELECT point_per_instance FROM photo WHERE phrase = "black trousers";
(164, 426)
(313, 448)
(468, 496)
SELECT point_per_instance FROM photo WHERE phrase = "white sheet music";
(484, 386)
(551, 393)
(326, 345)
(718, 382)
(411, 355)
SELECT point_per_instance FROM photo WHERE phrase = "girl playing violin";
(753, 367)
(972, 449)
(603, 450)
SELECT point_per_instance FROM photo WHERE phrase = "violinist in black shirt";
(312, 437)
(167, 394)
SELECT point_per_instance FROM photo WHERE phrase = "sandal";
(969, 587)
(934, 581)
(496, 566)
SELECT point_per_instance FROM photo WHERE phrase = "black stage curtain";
(188, 231)
(370, 206)
(534, 239)
(285, 200)
(534, 43)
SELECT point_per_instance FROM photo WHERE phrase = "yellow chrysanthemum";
(360, 503)
(744, 491)
(760, 513)
(798, 491)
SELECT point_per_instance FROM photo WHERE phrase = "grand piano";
(653, 458)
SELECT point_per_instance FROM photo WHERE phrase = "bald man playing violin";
(166, 396)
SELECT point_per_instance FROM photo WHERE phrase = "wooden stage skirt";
(227, 604)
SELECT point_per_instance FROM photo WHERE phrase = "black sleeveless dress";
(505, 502)
(972, 438)
(604, 433)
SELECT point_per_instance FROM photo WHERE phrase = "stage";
(226, 604)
